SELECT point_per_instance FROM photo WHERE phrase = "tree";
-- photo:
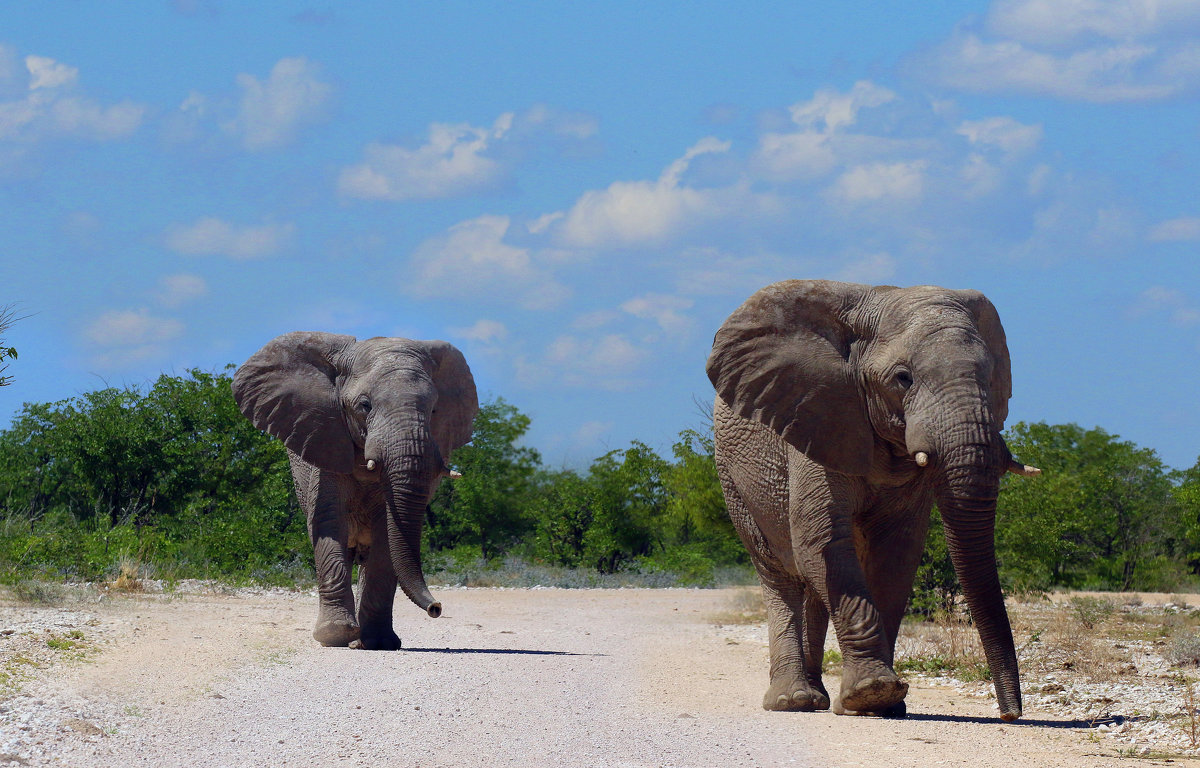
(486, 506)
(631, 500)
(176, 467)
(1186, 494)
(6, 353)
(1101, 515)
(564, 510)
(695, 511)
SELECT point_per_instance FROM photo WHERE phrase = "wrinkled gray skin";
(826, 393)
(339, 405)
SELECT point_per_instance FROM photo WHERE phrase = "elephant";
(843, 412)
(368, 426)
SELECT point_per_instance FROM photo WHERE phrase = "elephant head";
(892, 385)
(387, 410)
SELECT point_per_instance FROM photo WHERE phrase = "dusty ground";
(540, 677)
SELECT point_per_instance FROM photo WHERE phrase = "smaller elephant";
(843, 412)
(368, 426)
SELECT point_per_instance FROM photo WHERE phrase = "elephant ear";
(987, 320)
(783, 359)
(289, 389)
(457, 402)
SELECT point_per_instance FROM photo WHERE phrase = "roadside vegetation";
(170, 482)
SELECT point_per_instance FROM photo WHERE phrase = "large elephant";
(368, 426)
(843, 412)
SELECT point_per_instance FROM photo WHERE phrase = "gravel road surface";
(506, 677)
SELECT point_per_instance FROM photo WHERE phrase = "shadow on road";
(512, 651)
(1022, 722)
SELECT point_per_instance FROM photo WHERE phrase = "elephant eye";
(904, 379)
(364, 406)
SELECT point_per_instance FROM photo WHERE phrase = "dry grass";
(947, 646)
(129, 577)
(1078, 639)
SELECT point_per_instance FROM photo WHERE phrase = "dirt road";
(526, 678)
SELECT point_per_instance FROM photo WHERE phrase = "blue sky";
(577, 195)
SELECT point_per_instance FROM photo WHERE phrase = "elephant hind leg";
(324, 499)
(795, 661)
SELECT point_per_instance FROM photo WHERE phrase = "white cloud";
(177, 290)
(121, 337)
(265, 114)
(86, 119)
(880, 181)
(606, 362)
(1183, 229)
(824, 141)
(630, 212)
(830, 110)
(47, 108)
(213, 236)
(271, 111)
(1179, 309)
(452, 162)
(484, 331)
(979, 176)
(48, 73)
(1087, 50)
(575, 125)
(472, 259)
(803, 155)
(1003, 133)
(663, 310)
(543, 222)
(1062, 22)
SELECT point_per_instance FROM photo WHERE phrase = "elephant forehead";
(924, 314)
(395, 353)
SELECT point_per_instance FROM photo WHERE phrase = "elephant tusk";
(921, 458)
(371, 465)
(1024, 470)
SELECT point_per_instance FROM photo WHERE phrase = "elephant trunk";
(967, 501)
(411, 467)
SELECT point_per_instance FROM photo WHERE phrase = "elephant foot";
(378, 639)
(872, 694)
(792, 695)
(337, 633)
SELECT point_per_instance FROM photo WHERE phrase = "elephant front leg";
(825, 554)
(336, 625)
(377, 593)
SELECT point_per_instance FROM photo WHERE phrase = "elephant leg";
(823, 503)
(324, 498)
(377, 592)
(891, 541)
(793, 686)
(815, 625)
